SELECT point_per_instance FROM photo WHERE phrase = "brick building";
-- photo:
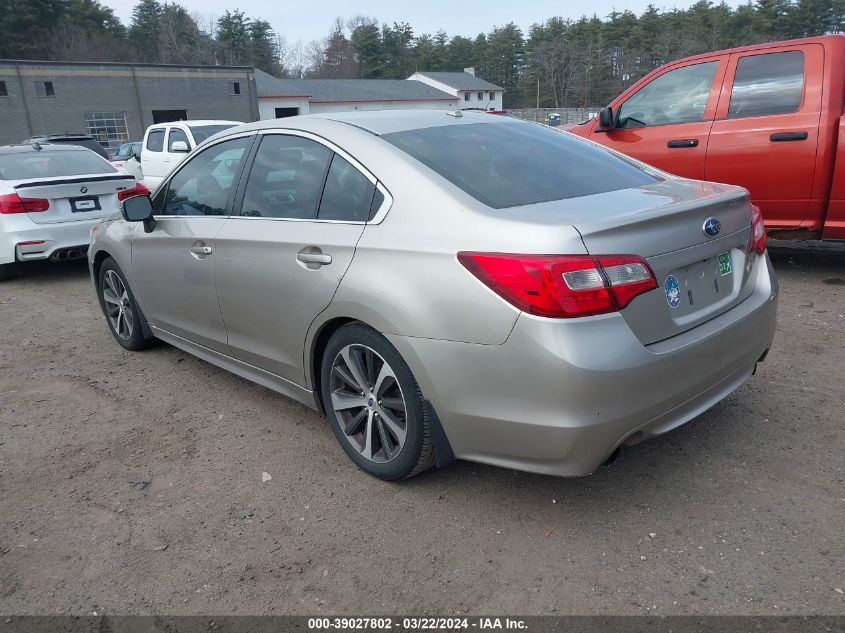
(115, 102)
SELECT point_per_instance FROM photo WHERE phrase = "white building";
(472, 93)
(279, 98)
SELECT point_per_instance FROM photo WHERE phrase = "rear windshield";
(202, 132)
(47, 164)
(514, 164)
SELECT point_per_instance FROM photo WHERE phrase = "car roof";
(26, 148)
(376, 122)
(198, 122)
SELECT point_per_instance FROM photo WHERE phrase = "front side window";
(679, 96)
(202, 186)
(516, 163)
(767, 84)
(347, 195)
(155, 141)
(286, 178)
(176, 135)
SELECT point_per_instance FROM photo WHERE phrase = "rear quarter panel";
(834, 222)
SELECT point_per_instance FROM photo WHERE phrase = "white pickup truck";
(167, 144)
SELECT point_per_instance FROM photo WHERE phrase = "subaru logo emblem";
(83, 190)
(711, 227)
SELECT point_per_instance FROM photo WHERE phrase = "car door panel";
(770, 153)
(268, 297)
(174, 264)
(278, 263)
(176, 283)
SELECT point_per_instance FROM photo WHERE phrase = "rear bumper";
(559, 396)
(55, 238)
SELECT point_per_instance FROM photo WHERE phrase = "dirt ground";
(132, 483)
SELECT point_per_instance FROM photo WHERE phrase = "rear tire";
(381, 424)
(122, 314)
(7, 271)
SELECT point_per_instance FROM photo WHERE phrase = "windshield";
(47, 164)
(514, 164)
(202, 132)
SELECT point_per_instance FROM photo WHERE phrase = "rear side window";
(347, 195)
(155, 141)
(47, 164)
(767, 84)
(202, 186)
(286, 178)
(517, 163)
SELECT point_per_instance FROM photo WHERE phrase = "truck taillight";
(758, 230)
(13, 203)
(562, 286)
(137, 190)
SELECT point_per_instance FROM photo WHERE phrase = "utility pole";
(538, 93)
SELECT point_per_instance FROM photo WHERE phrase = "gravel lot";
(132, 483)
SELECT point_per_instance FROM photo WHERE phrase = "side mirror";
(139, 209)
(606, 121)
(179, 146)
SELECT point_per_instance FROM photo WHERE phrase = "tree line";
(558, 63)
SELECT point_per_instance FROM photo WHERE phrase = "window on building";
(236, 88)
(492, 96)
(3, 90)
(44, 89)
(768, 84)
(347, 194)
(481, 96)
(109, 128)
(466, 96)
(286, 178)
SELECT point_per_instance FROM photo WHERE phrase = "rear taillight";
(137, 190)
(13, 203)
(758, 230)
(562, 286)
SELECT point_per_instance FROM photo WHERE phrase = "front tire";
(119, 307)
(374, 405)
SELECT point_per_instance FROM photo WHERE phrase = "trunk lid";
(699, 276)
(75, 198)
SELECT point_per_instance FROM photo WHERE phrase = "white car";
(167, 144)
(50, 197)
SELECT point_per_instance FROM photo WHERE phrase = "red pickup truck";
(770, 118)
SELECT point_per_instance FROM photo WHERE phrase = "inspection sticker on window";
(725, 267)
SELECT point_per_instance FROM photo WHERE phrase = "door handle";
(200, 251)
(682, 142)
(320, 259)
(781, 137)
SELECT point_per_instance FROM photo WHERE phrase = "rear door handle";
(320, 259)
(682, 142)
(782, 137)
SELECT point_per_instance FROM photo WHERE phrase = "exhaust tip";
(612, 458)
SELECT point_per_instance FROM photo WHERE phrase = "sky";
(306, 21)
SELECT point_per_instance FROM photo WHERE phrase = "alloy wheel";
(368, 402)
(118, 306)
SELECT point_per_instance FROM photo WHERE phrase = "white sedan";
(50, 197)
